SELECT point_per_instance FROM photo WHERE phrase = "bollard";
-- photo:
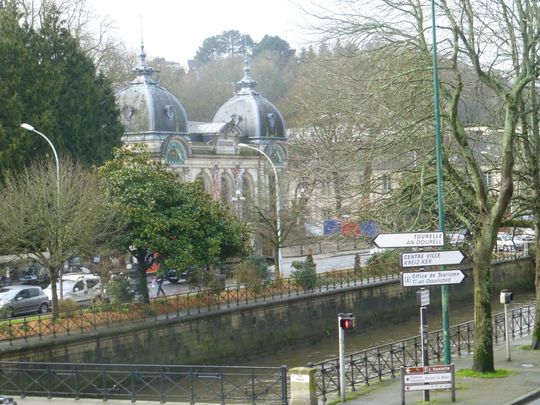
(303, 390)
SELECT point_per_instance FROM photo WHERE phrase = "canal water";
(299, 356)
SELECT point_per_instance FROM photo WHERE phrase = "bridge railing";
(366, 366)
(181, 305)
(140, 382)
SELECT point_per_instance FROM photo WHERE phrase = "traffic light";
(347, 321)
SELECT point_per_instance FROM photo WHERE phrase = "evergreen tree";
(47, 80)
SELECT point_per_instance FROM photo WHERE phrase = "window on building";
(386, 183)
(488, 178)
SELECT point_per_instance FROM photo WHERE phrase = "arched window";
(205, 182)
(226, 189)
(277, 155)
(175, 154)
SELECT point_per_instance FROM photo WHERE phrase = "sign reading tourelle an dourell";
(415, 239)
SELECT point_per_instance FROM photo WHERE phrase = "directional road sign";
(436, 386)
(417, 239)
(428, 378)
(423, 278)
(439, 258)
(428, 369)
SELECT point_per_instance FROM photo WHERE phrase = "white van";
(81, 288)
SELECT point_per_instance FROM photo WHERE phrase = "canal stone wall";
(228, 335)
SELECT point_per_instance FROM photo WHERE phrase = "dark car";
(23, 299)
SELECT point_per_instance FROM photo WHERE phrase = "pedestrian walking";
(160, 280)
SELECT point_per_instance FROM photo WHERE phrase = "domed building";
(209, 151)
(259, 120)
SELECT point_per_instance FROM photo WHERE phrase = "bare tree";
(495, 40)
(96, 34)
(34, 219)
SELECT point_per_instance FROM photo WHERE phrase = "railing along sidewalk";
(105, 315)
(376, 363)
(143, 382)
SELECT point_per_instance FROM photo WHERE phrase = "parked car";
(23, 299)
(527, 234)
(457, 237)
(82, 288)
(508, 243)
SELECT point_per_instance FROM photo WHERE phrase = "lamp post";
(30, 128)
(440, 198)
(238, 200)
(278, 222)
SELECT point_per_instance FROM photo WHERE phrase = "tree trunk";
(483, 336)
(337, 192)
(142, 267)
(277, 264)
(54, 293)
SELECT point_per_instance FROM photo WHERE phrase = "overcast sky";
(174, 29)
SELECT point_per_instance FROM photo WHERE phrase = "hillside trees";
(212, 81)
(176, 220)
(227, 44)
(508, 32)
(47, 80)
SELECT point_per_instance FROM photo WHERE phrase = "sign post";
(422, 297)
(506, 297)
(345, 322)
(439, 377)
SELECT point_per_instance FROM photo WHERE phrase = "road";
(325, 262)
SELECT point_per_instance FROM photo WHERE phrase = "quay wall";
(228, 335)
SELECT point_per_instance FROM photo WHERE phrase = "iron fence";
(366, 366)
(137, 382)
(105, 315)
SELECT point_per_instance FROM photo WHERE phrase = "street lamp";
(445, 301)
(30, 128)
(238, 200)
(278, 222)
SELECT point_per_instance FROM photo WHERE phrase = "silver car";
(81, 288)
(23, 299)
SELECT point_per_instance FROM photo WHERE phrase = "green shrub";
(357, 267)
(304, 274)
(120, 291)
(213, 283)
(253, 270)
(386, 262)
(67, 306)
(5, 312)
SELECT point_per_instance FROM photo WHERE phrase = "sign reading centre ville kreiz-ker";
(438, 258)
(416, 239)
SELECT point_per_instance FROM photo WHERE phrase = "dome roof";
(255, 115)
(146, 106)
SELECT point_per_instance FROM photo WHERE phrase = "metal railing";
(138, 382)
(182, 305)
(375, 363)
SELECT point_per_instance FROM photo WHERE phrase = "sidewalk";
(522, 387)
